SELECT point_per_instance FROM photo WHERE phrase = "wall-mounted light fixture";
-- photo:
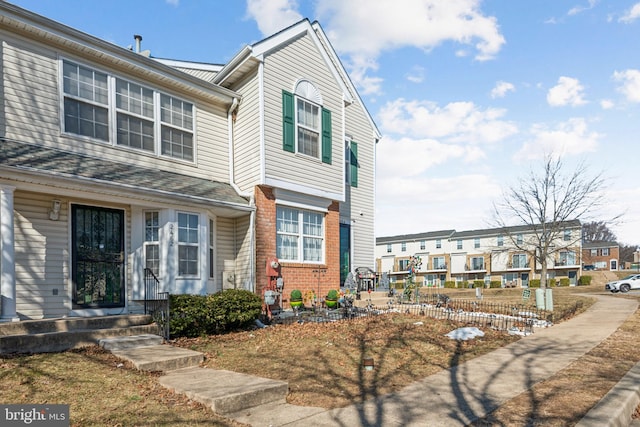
(54, 212)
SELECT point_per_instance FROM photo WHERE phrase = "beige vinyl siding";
(282, 69)
(201, 74)
(362, 196)
(42, 257)
(225, 247)
(247, 135)
(31, 68)
(244, 266)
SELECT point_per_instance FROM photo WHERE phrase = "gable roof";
(46, 162)
(250, 56)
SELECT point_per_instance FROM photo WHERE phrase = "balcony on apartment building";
(475, 267)
(518, 266)
(436, 267)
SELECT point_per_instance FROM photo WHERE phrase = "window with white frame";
(145, 119)
(308, 121)
(388, 248)
(188, 244)
(477, 263)
(519, 261)
(299, 235)
(152, 241)
(594, 252)
(567, 235)
(423, 244)
(403, 246)
(459, 244)
(438, 263)
(438, 243)
(605, 251)
(476, 242)
(519, 239)
(567, 258)
(500, 240)
(403, 264)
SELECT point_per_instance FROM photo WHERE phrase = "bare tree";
(549, 202)
(597, 231)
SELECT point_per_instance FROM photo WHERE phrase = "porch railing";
(156, 303)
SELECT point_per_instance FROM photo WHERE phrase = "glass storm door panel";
(345, 252)
(98, 257)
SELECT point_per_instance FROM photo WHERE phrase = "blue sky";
(468, 94)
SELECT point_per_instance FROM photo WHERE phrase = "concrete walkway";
(459, 396)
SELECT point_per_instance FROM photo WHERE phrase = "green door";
(97, 257)
(345, 252)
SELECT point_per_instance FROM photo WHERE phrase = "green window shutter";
(288, 122)
(326, 136)
(354, 164)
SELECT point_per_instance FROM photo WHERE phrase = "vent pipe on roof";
(138, 39)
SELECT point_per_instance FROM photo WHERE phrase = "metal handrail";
(156, 302)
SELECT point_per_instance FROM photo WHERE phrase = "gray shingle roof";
(441, 234)
(29, 157)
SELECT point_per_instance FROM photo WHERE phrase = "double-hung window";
(152, 241)
(86, 101)
(299, 235)
(308, 124)
(145, 119)
(477, 263)
(188, 244)
(519, 261)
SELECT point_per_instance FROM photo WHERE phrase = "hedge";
(584, 280)
(199, 315)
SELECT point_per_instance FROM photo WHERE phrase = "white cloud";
(567, 138)
(568, 91)
(631, 15)
(416, 75)
(501, 89)
(630, 80)
(273, 15)
(173, 2)
(578, 9)
(606, 104)
(455, 122)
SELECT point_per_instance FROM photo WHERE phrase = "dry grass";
(100, 390)
(322, 363)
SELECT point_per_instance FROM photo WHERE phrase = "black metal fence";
(519, 318)
(156, 303)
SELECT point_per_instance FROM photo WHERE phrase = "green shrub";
(296, 295)
(495, 284)
(551, 282)
(198, 315)
(332, 295)
(534, 283)
(564, 281)
(450, 284)
(478, 283)
(584, 280)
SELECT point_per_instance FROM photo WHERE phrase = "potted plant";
(295, 298)
(332, 299)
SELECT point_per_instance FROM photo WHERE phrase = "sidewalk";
(461, 395)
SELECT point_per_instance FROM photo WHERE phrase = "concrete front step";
(60, 341)
(42, 326)
(160, 357)
(132, 341)
(225, 392)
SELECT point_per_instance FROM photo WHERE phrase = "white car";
(624, 285)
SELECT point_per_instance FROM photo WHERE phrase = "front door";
(524, 278)
(345, 252)
(97, 257)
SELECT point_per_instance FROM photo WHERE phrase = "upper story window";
(145, 119)
(519, 239)
(500, 240)
(567, 235)
(388, 248)
(476, 243)
(403, 246)
(605, 251)
(306, 123)
(423, 244)
(459, 244)
(438, 243)
(299, 235)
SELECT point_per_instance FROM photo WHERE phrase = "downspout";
(252, 215)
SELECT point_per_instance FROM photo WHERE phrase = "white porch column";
(7, 252)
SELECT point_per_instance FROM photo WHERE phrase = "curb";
(616, 407)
